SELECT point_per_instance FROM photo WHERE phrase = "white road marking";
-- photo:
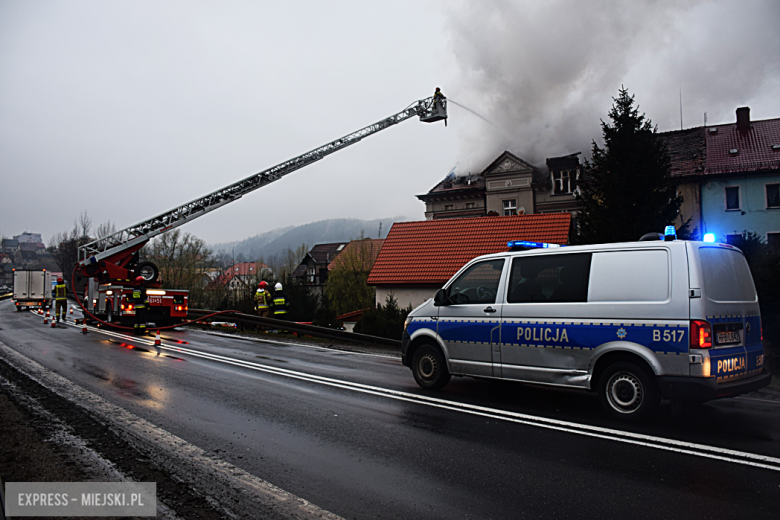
(262, 340)
(650, 441)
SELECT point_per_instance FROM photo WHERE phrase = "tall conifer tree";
(628, 189)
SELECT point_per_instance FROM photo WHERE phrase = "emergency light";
(670, 233)
(516, 244)
(709, 237)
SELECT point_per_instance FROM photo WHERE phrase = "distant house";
(358, 255)
(730, 177)
(417, 258)
(9, 245)
(313, 269)
(507, 186)
(240, 276)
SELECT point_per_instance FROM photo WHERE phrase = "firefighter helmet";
(262, 285)
(59, 278)
(278, 287)
(139, 280)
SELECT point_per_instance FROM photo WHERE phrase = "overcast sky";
(127, 109)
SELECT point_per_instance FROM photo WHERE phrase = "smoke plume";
(546, 72)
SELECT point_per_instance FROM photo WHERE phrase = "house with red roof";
(729, 177)
(417, 258)
(240, 276)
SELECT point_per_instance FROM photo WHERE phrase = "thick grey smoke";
(546, 72)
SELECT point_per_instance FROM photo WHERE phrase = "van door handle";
(490, 309)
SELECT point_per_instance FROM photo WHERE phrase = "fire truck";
(111, 263)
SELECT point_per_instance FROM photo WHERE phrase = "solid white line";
(274, 342)
(650, 441)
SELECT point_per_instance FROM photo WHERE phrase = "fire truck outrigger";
(111, 263)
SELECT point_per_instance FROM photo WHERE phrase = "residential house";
(240, 277)
(507, 186)
(358, 255)
(313, 269)
(730, 177)
(9, 245)
(417, 258)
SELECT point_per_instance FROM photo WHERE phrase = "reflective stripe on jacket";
(139, 298)
(60, 292)
(262, 299)
(280, 303)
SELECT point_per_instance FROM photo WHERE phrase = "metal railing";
(249, 320)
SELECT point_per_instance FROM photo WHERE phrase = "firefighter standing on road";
(281, 303)
(61, 299)
(140, 304)
(263, 300)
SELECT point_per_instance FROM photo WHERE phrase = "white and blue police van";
(635, 322)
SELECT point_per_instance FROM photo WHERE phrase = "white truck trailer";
(32, 289)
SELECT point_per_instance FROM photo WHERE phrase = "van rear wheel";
(429, 369)
(627, 392)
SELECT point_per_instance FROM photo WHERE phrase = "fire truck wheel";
(148, 270)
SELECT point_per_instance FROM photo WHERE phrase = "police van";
(636, 322)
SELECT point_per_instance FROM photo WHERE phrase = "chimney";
(743, 118)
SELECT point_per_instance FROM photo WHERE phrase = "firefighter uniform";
(61, 299)
(280, 303)
(140, 304)
(263, 303)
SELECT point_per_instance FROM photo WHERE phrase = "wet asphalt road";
(378, 450)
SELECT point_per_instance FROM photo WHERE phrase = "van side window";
(630, 276)
(561, 278)
(478, 284)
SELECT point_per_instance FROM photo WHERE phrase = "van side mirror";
(440, 298)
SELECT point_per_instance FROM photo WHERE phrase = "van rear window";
(561, 278)
(726, 274)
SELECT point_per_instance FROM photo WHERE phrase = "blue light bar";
(531, 245)
(669, 230)
(709, 237)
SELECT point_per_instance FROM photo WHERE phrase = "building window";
(448, 207)
(510, 207)
(564, 181)
(773, 195)
(734, 240)
(773, 240)
(732, 198)
(471, 205)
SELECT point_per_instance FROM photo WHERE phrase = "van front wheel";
(429, 369)
(627, 392)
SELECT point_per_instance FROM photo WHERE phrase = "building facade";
(507, 186)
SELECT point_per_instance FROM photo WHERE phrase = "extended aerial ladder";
(113, 259)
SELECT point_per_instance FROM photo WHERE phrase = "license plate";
(728, 336)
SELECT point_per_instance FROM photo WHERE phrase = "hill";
(321, 232)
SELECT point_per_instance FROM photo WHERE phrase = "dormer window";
(564, 181)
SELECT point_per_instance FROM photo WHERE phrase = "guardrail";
(309, 330)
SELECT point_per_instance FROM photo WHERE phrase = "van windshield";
(727, 276)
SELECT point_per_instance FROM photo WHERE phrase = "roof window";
(713, 130)
(734, 151)
(776, 147)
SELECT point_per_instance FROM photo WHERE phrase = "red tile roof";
(431, 251)
(358, 252)
(753, 147)
(707, 150)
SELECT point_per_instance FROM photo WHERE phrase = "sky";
(126, 109)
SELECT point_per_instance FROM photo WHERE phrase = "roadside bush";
(385, 322)
(764, 263)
